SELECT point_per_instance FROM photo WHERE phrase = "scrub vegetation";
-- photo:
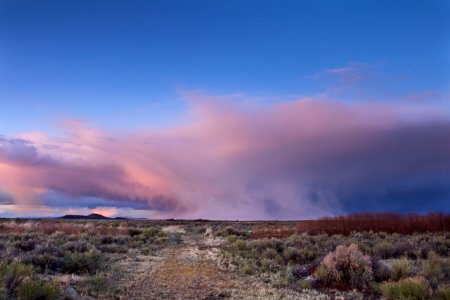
(201, 259)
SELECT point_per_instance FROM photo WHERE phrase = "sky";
(224, 109)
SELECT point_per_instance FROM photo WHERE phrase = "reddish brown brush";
(66, 228)
(376, 222)
(49, 228)
(272, 232)
(381, 222)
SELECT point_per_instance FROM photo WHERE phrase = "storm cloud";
(299, 159)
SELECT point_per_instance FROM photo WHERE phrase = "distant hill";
(95, 217)
(88, 217)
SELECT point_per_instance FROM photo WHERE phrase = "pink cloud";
(298, 159)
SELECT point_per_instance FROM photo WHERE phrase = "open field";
(137, 259)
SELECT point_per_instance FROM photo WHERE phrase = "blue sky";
(224, 109)
(125, 62)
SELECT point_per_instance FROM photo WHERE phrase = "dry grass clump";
(346, 266)
(415, 288)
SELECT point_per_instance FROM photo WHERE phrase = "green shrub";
(95, 284)
(406, 289)
(150, 232)
(35, 289)
(441, 244)
(134, 231)
(248, 268)
(55, 250)
(160, 240)
(221, 233)
(322, 273)
(279, 260)
(107, 239)
(266, 265)
(308, 254)
(18, 280)
(269, 253)
(46, 261)
(241, 245)
(227, 231)
(381, 234)
(385, 249)
(400, 268)
(289, 274)
(175, 238)
(80, 245)
(403, 248)
(3, 292)
(292, 255)
(201, 229)
(346, 265)
(115, 224)
(114, 248)
(304, 284)
(12, 275)
(26, 245)
(83, 263)
(74, 262)
(233, 231)
(146, 250)
(231, 239)
(381, 271)
(434, 269)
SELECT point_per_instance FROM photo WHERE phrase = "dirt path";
(191, 271)
(185, 271)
